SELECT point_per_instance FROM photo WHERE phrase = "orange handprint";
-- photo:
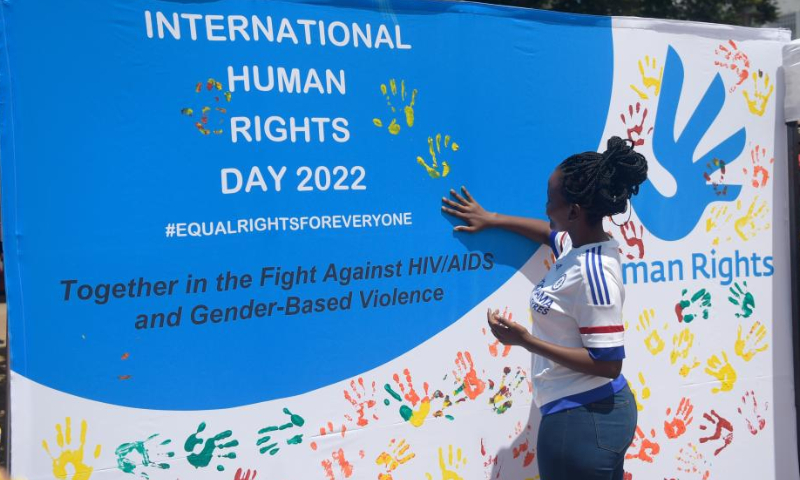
(467, 377)
(760, 175)
(683, 418)
(415, 417)
(362, 399)
(647, 449)
(731, 58)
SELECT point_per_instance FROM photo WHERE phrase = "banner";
(226, 255)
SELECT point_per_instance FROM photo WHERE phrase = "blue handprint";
(672, 218)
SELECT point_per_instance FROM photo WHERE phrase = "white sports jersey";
(578, 304)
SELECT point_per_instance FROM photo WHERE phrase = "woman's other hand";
(507, 331)
(467, 209)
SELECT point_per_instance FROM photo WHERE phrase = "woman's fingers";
(465, 228)
(453, 204)
(458, 197)
(454, 213)
(466, 194)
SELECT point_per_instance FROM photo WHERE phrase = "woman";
(588, 411)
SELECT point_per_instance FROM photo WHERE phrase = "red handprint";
(719, 423)
(733, 59)
(755, 422)
(240, 475)
(635, 123)
(633, 239)
(683, 418)
(647, 448)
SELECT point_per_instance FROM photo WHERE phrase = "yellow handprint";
(758, 104)
(450, 471)
(748, 346)
(435, 150)
(653, 342)
(645, 392)
(681, 345)
(408, 110)
(397, 457)
(746, 226)
(722, 371)
(650, 79)
(81, 471)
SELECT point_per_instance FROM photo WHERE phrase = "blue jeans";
(588, 442)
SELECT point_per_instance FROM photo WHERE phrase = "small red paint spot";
(125, 355)
(362, 453)
(124, 377)
(314, 446)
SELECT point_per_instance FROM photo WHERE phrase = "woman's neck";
(585, 234)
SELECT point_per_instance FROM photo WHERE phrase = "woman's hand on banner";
(466, 208)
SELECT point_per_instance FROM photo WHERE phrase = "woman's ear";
(574, 212)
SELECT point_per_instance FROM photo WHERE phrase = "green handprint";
(127, 465)
(743, 299)
(701, 299)
(203, 459)
(272, 448)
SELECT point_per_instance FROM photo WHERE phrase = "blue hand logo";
(672, 218)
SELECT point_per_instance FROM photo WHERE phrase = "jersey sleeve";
(559, 242)
(598, 307)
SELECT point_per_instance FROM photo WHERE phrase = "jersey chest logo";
(540, 301)
(560, 282)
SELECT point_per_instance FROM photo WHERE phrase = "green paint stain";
(406, 412)
(296, 419)
(449, 417)
(295, 440)
(386, 402)
(220, 468)
(391, 392)
(204, 457)
(269, 447)
(262, 440)
(128, 466)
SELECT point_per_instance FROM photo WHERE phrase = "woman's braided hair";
(602, 183)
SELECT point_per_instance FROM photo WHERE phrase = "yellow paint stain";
(723, 371)
(69, 457)
(760, 98)
(747, 347)
(745, 226)
(651, 77)
(418, 417)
